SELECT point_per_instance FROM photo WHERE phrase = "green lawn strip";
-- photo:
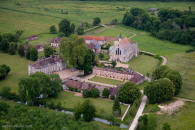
(103, 106)
(105, 80)
(181, 120)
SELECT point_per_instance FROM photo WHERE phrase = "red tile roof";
(98, 38)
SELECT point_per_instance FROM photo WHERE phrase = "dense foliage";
(116, 109)
(160, 90)
(172, 25)
(147, 122)
(53, 29)
(21, 50)
(80, 30)
(96, 21)
(66, 28)
(128, 93)
(27, 117)
(165, 72)
(49, 51)
(76, 54)
(31, 53)
(105, 93)
(4, 70)
(39, 86)
(91, 93)
(87, 109)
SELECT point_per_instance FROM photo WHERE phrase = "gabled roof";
(125, 42)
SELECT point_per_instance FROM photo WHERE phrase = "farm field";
(105, 80)
(35, 17)
(103, 106)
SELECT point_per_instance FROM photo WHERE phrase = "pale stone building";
(47, 65)
(124, 74)
(123, 50)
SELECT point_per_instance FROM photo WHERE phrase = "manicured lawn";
(105, 80)
(103, 106)
(143, 64)
(181, 120)
(19, 69)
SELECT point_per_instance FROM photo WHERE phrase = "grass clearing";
(103, 106)
(143, 64)
(181, 120)
(19, 69)
(105, 80)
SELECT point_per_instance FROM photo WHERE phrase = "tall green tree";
(80, 30)
(72, 28)
(88, 110)
(53, 29)
(105, 93)
(27, 54)
(64, 27)
(116, 109)
(4, 45)
(73, 51)
(21, 50)
(48, 51)
(33, 54)
(12, 48)
(113, 63)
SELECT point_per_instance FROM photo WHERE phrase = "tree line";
(169, 24)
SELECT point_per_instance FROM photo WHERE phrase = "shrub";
(86, 93)
(96, 21)
(80, 30)
(95, 92)
(21, 50)
(4, 70)
(12, 48)
(112, 97)
(53, 29)
(105, 93)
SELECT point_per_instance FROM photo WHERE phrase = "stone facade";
(47, 65)
(123, 50)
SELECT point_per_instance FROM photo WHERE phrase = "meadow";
(36, 16)
(103, 106)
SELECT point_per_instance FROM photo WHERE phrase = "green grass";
(103, 106)
(43, 38)
(105, 80)
(181, 120)
(35, 16)
(114, 33)
(143, 64)
(19, 69)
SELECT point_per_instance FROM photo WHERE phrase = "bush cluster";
(91, 93)
(4, 70)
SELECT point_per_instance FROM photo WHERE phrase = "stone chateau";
(123, 50)
(47, 65)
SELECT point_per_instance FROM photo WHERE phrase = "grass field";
(181, 120)
(35, 16)
(103, 106)
(43, 38)
(19, 69)
(143, 64)
(105, 80)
